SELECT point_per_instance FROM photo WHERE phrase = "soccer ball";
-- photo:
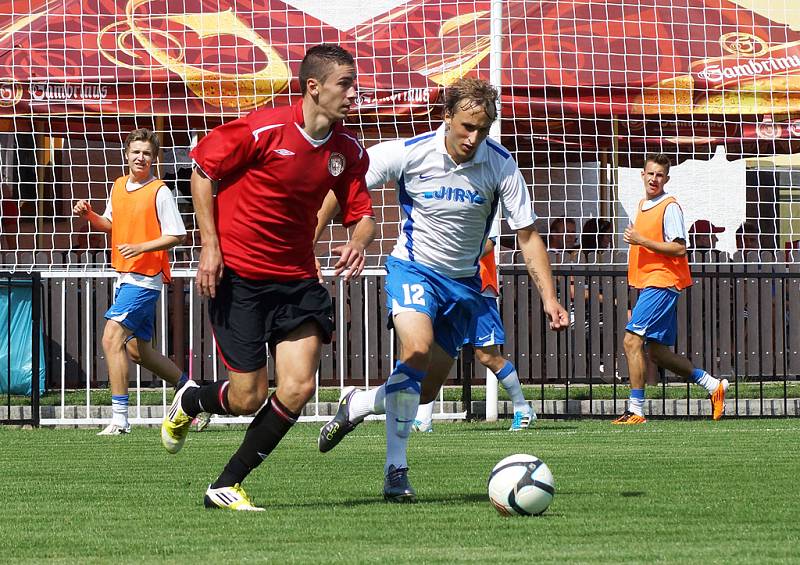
(521, 485)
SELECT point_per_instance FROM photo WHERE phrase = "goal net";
(588, 88)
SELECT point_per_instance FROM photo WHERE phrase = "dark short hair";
(658, 159)
(320, 60)
(143, 134)
(476, 92)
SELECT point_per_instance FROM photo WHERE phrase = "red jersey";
(272, 181)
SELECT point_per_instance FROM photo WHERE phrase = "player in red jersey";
(272, 170)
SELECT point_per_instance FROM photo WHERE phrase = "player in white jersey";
(450, 183)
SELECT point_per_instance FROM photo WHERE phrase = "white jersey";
(446, 208)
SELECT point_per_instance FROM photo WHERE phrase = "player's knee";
(631, 343)
(419, 356)
(112, 341)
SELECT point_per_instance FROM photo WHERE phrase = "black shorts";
(247, 314)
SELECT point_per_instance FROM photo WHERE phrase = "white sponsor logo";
(284, 152)
(46, 92)
(718, 73)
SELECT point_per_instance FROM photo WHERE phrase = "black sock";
(264, 433)
(211, 398)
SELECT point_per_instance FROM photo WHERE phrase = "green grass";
(102, 397)
(670, 491)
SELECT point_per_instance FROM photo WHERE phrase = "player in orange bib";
(145, 225)
(657, 265)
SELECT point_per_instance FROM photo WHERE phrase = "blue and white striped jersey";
(446, 208)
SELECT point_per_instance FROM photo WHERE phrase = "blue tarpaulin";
(19, 341)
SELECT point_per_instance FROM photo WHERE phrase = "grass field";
(669, 491)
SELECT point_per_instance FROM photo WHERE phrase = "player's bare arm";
(83, 209)
(131, 250)
(329, 209)
(538, 265)
(352, 254)
(209, 270)
(676, 248)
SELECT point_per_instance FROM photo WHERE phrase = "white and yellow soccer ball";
(521, 485)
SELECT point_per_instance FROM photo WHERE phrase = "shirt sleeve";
(514, 197)
(226, 149)
(674, 228)
(385, 162)
(352, 194)
(168, 215)
(107, 213)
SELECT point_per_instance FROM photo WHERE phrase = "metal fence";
(739, 321)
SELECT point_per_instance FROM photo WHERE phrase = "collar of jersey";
(654, 202)
(299, 121)
(480, 154)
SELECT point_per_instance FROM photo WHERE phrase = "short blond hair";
(475, 91)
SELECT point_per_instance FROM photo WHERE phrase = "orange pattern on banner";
(135, 220)
(224, 90)
(648, 268)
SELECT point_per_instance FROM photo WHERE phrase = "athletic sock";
(705, 380)
(425, 412)
(212, 398)
(262, 436)
(510, 381)
(402, 401)
(636, 401)
(366, 402)
(119, 410)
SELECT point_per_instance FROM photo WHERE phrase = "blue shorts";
(451, 304)
(488, 327)
(135, 308)
(655, 316)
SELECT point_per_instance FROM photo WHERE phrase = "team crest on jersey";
(336, 164)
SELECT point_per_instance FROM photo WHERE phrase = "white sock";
(402, 401)
(636, 405)
(510, 381)
(119, 410)
(425, 412)
(707, 382)
(366, 402)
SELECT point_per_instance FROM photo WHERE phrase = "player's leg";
(114, 337)
(438, 370)
(238, 315)
(296, 361)
(633, 344)
(423, 421)
(665, 357)
(414, 332)
(142, 353)
(491, 358)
